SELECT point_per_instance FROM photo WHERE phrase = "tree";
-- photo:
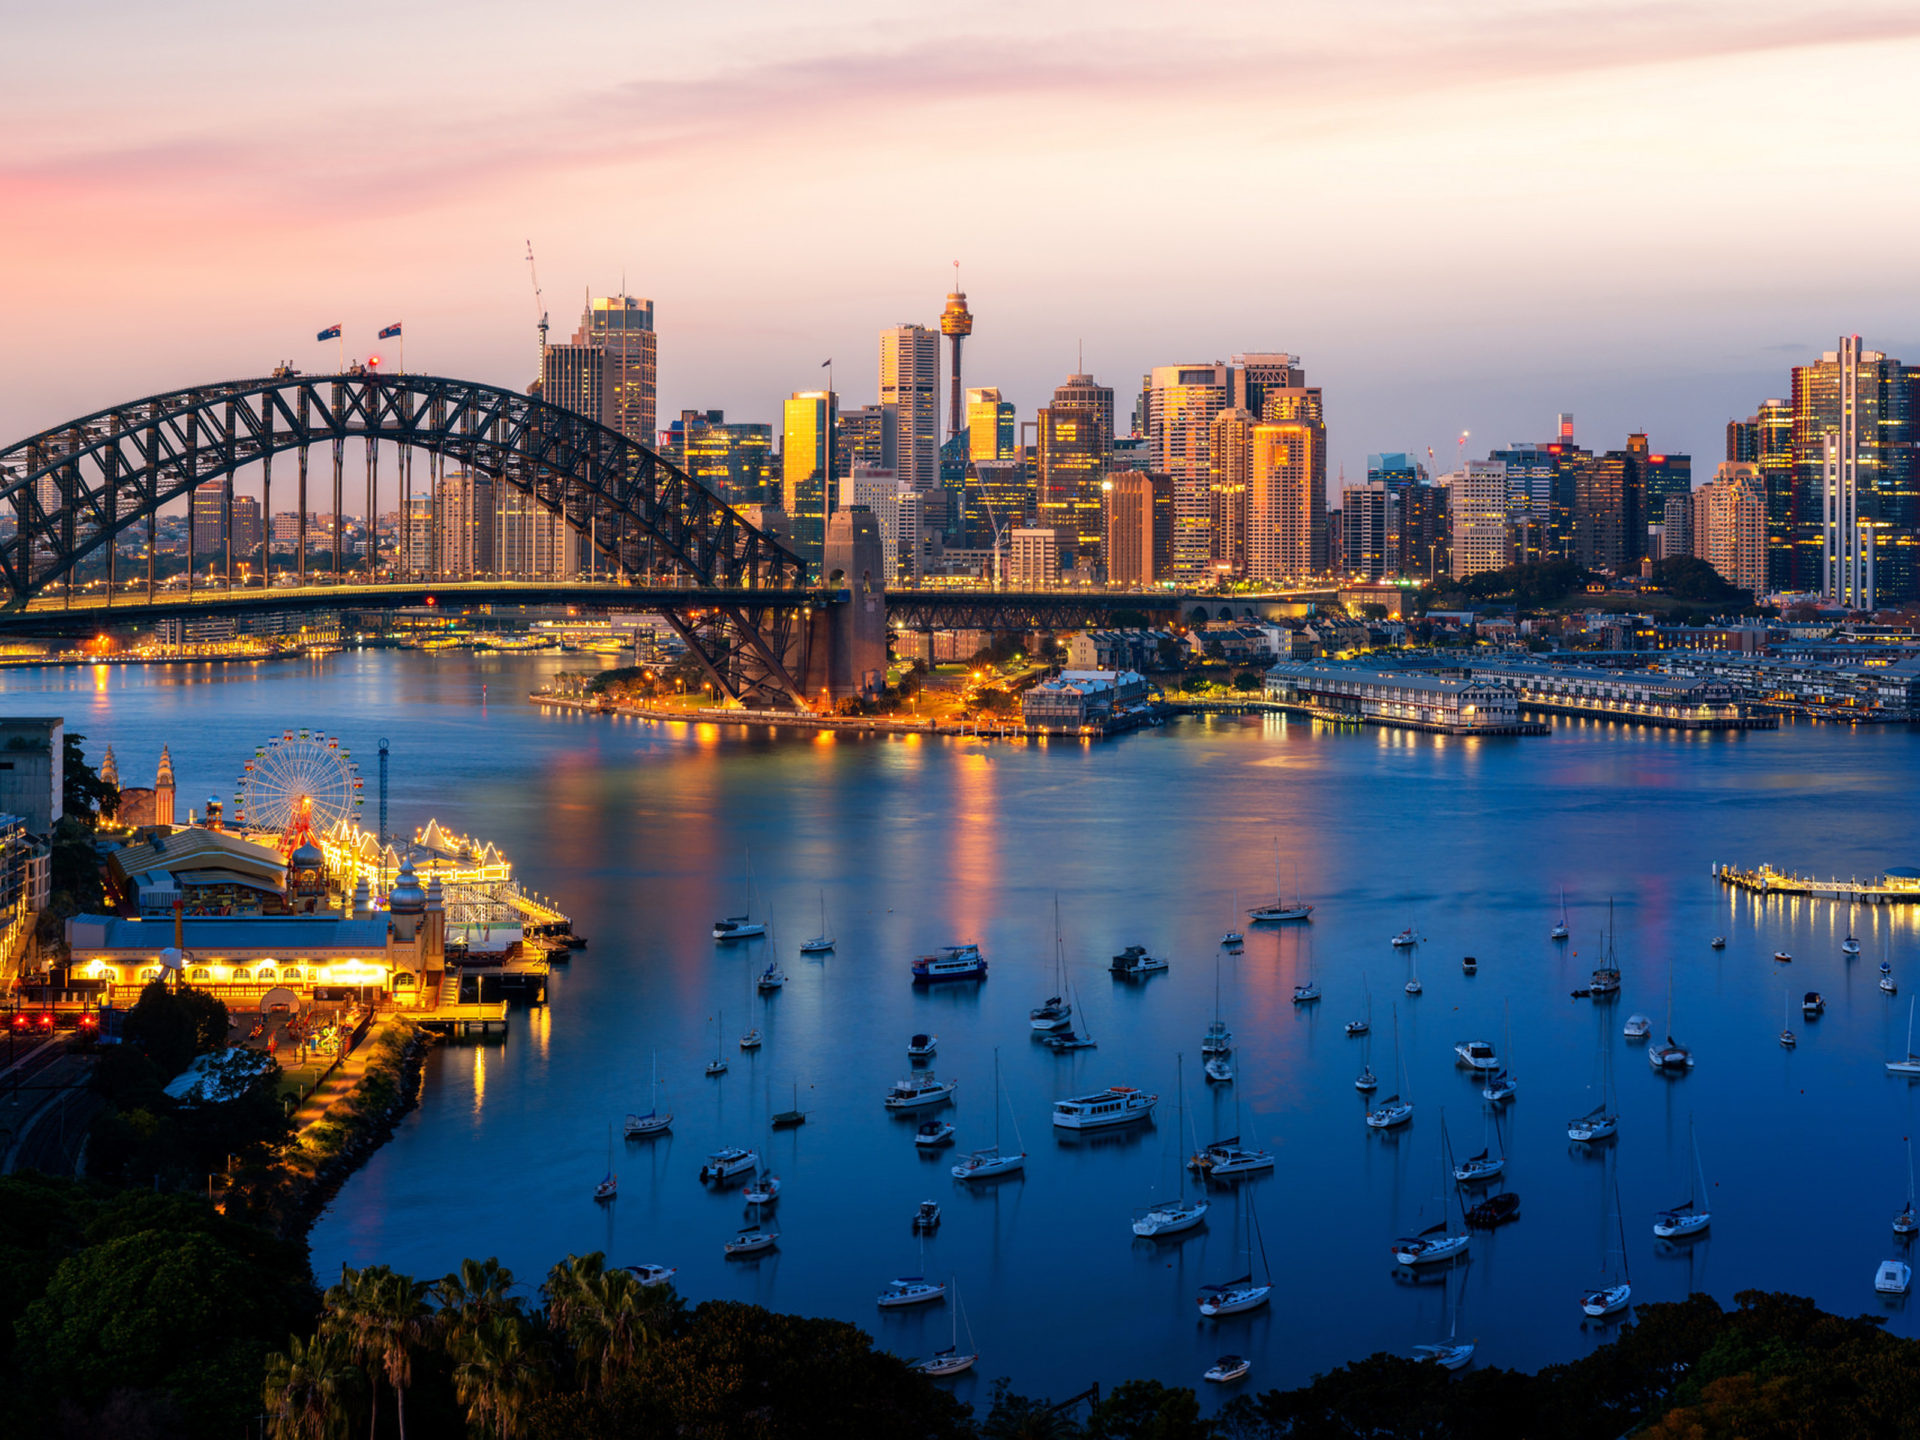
(381, 1318)
(497, 1372)
(310, 1386)
(1246, 681)
(604, 1317)
(171, 1027)
(1021, 1417)
(84, 796)
(1148, 1410)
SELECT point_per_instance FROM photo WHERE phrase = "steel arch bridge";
(73, 489)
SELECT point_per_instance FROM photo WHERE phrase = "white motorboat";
(1227, 1369)
(823, 942)
(1280, 911)
(1719, 942)
(1366, 1082)
(1412, 986)
(1236, 1297)
(1893, 1277)
(920, 1092)
(1477, 1055)
(910, 1290)
(1218, 1040)
(927, 1218)
(723, 1165)
(763, 1190)
(1689, 1217)
(654, 1122)
(1813, 1004)
(1357, 1028)
(750, 1038)
(1134, 963)
(751, 1241)
(716, 1066)
(1406, 939)
(1116, 1105)
(922, 1047)
(1911, 1065)
(771, 978)
(1787, 1038)
(1850, 946)
(1219, 1069)
(1784, 957)
(985, 1164)
(933, 1134)
(1172, 1217)
(1638, 1027)
(953, 1360)
(651, 1274)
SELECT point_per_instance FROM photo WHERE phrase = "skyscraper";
(1477, 498)
(859, 440)
(1765, 440)
(1299, 408)
(1852, 444)
(1230, 477)
(806, 469)
(734, 461)
(1182, 401)
(1083, 392)
(1072, 463)
(1286, 507)
(1138, 546)
(574, 377)
(1369, 526)
(621, 326)
(989, 425)
(1729, 525)
(910, 398)
(1254, 375)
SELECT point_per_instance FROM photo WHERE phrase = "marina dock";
(1900, 885)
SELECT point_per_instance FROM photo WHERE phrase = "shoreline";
(799, 720)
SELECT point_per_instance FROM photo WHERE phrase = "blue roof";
(211, 934)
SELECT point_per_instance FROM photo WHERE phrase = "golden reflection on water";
(480, 1075)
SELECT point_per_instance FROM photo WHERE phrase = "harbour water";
(641, 830)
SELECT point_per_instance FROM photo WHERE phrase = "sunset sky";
(1464, 216)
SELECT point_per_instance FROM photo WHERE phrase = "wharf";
(1334, 714)
(452, 1018)
(1898, 886)
(863, 724)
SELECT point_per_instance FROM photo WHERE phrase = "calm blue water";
(641, 831)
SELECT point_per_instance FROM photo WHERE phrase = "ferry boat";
(725, 1164)
(920, 1092)
(1134, 963)
(953, 962)
(1118, 1105)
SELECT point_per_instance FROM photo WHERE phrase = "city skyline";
(1418, 317)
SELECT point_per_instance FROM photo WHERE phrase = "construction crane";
(539, 310)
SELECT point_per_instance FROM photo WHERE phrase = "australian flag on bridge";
(391, 331)
(332, 332)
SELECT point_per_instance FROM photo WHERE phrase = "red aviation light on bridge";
(432, 601)
(373, 362)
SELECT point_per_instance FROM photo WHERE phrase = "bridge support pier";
(846, 646)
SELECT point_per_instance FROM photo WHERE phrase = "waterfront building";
(990, 425)
(805, 489)
(1852, 691)
(1855, 477)
(1729, 526)
(1075, 699)
(1033, 557)
(1139, 539)
(33, 770)
(1765, 440)
(1639, 697)
(910, 400)
(204, 871)
(1407, 699)
(1181, 403)
(620, 327)
(1477, 505)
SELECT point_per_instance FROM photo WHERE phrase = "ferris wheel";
(303, 776)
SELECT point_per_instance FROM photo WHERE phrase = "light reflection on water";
(641, 832)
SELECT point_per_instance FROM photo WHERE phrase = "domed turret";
(307, 856)
(407, 898)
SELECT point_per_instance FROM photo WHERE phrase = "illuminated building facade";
(1182, 401)
(1072, 460)
(999, 498)
(1477, 501)
(1286, 507)
(1230, 479)
(1033, 557)
(896, 509)
(990, 425)
(805, 484)
(1369, 531)
(1855, 471)
(1253, 375)
(1765, 440)
(910, 398)
(859, 439)
(1139, 508)
(1729, 525)
(574, 377)
(734, 461)
(621, 328)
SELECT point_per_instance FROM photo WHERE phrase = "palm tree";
(604, 1316)
(382, 1318)
(308, 1388)
(472, 1298)
(496, 1370)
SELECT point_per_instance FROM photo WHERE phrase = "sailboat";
(1476, 1169)
(1670, 1057)
(1606, 979)
(1886, 979)
(823, 942)
(1851, 945)
(1501, 1084)
(789, 1119)
(1438, 1241)
(1451, 1353)
(1218, 1040)
(1056, 1013)
(1787, 1038)
(1228, 1159)
(718, 1065)
(1182, 1214)
(982, 1164)
(1308, 993)
(1406, 939)
(1906, 1222)
(1687, 1218)
(1280, 910)
(1062, 1042)
(640, 1127)
(1393, 1110)
(1236, 1296)
(1365, 1023)
(1234, 939)
(1219, 1069)
(609, 1187)
(1413, 970)
(741, 927)
(1560, 931)
(1910, 1065)
(750, 1037)
(952, 1360)
(1609, 1299)
(1603, 1120)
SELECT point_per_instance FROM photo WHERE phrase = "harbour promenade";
(1899, 885)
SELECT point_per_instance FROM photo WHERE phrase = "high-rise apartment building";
(1299, 409)
(1477, 500)
(1286, 502)
(1083, 392)
(1033, 557)
(208, 522)
(529, 541)
(621, 328)
(1729, 524)
(1765, 440)
(1855, 475)
(1369, 531)
(1139, 541)
(1230, 482)
(806, 482)
(1182, 401)
(910, 398)
(574, 377)
(1426, 534)
(990, 425)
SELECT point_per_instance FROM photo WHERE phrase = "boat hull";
(1234, 1302)
(727, 933)
(942, 975)
(987, 1169)
(1610, 1301)
(1170, 1221)
(923, 1100)
(1429, 1252)
(1681, 1227)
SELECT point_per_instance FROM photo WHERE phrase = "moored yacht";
(751, 1241)
(919, 1092)
(725, 1164)
(910, 1290)
(953, 962)
(1430, 1246)
(921, 1047)
(1638, 1027)
(1117, 1105)
(1223, 1159)
(1477, 1055)
(1055, 1014)
(738, 927)
(772, 978)
(1134, 963)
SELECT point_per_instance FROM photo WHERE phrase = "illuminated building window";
(244, 974)
(266, 973)
(202, 973)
